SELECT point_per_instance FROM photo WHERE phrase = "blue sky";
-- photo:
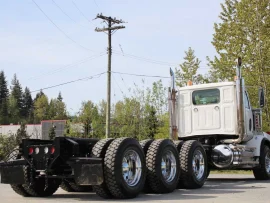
(40, 54)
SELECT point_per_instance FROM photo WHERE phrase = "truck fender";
(258, 141)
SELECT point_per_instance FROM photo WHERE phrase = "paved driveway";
(219, 188)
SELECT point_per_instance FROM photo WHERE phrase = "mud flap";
(12, 175)
(88, 171)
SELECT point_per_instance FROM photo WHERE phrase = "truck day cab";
(213, 126)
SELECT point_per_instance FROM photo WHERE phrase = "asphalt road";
(219, 188)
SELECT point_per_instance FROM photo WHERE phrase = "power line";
(139, 75)
(96, 4)
(60, 30)
(81, 12)
(67, 14)
(68, 66)
(151, 60)
(145, 59)
(63, 11)
(118, 86)
(72, 81)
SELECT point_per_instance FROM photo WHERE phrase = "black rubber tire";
(71, 186)
(208, 172)
(113, 168)
(153, 162)
(187, 177)
(99, 151)
(261, 173)
(37, 189)
(145, 144)
(178, 145)
(66, 186)
(20, 190)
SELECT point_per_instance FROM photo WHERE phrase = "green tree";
(88, 114)
(188, 69)
(4, 94)
(57, 110)
(21, 134)
(14, 111)
(41, 111)
(151, 122)
(17, 94)
(244, 32)
(38, 95)
(60, 98)
(163, 127)
(27, 105)
(52, 133)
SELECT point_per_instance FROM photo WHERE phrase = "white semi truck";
(221, 118)
(213, 126)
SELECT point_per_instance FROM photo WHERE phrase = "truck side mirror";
(261, 97)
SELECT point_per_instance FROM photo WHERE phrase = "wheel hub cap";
(198, 164)
(168, 166)
(131, 167)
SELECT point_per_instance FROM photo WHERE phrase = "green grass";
(231, 172)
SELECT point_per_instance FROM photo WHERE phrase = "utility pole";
(109, 31)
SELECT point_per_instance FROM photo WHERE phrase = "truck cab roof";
(206, 86)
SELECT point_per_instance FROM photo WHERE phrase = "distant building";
(33, 130)
(59, 128)
(36, 131)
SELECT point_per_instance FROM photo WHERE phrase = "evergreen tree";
(57, 110)
(52, 132)
(27, 104)
(60, 98)
(4, 94)
(151, 122)
(13, 110)
(88, 114)
(188, 69)
(17, 94)
(38, 95)
(21, 134)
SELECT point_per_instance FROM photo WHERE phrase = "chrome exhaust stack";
(172, 108)
(240, 106)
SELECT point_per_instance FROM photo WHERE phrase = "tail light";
(52, 150)
(30, 150)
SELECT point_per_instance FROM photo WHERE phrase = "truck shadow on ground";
(213, 188)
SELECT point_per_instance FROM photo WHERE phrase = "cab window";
(204, 97)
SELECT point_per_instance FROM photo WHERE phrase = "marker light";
(30, 150)
(46, 150)
(37, 150)
(52, 150)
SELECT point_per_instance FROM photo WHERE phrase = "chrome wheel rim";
(198, 164)
(267, 162)
(131, 167)
(168, 166)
